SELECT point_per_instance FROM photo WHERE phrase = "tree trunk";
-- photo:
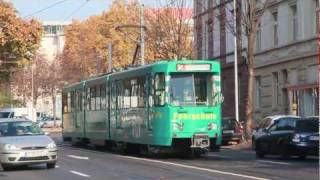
(249, 103)
(53, 96)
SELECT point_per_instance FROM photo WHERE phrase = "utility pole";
(142, 33)
(110, 57)
(236, 95)
(32, 91)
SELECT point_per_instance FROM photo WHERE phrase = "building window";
(258, 93)
(258, 40)
(275, 89)
(285, 100)
(294, 22)
(275, 28)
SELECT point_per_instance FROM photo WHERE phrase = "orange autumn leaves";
(168, 36)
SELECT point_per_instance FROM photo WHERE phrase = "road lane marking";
(219, 156)
(78, 157)
(273, 162)
(194, 167)
(79, 173)
(176, 164)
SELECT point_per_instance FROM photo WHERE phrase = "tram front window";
(190, 89)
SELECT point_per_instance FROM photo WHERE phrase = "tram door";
(79, 113)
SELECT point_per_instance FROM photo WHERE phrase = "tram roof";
(129, 69)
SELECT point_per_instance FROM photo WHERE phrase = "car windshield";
(229, 124)
(190, 89)
(6, 114)
(19, 128)
(311, 125)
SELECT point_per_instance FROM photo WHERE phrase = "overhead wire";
(45, 8)
(76, 10)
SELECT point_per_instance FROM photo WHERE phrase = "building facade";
(52, 43)
(286, 66)
(214, 40)
(53, 40)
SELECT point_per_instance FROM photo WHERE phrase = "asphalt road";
(87, 163)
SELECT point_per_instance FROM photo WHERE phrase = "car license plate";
(34, 153)
(228, 131)
(314, 138)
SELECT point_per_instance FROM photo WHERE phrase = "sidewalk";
(52, 130)
(245, 145)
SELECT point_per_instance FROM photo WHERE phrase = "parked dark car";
(265, 124)
(290, 136)
(232, 130)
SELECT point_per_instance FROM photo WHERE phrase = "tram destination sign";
(193, 67)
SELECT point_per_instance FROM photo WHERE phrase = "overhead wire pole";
(236, 93)
(32, 92)
(110, 57)
(142, 33)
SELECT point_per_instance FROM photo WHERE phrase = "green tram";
(168, 106)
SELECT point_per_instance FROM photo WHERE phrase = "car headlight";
(51, 145)
(10, 147)
(296, 138)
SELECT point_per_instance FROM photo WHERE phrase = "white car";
(264, 124)
(23, 143)
(49, 122)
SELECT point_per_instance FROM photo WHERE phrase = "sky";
(63, 10)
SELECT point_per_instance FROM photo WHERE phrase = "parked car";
(290, 136)
(49, 122)
(232, 130)
(23, 143)
(264, 124)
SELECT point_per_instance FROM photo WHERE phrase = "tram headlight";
(212, 126)
(178, 126)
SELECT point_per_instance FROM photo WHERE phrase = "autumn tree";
(21, 80)
(168, 36)
(19, 39)
(249, 14)
(86, 42)
(170, 28)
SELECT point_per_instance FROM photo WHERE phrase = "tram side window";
(88, 101)
(93, 98)
(103, 96)
(159, 91)
(74, 101)
(113, 93)
(141, 91)
(79, 100)
(134, 93)
(69, 102)
(126, 94)
(98, 104)
(119, 92)
(65, 102)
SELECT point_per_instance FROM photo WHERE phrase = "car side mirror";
(265, 130)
